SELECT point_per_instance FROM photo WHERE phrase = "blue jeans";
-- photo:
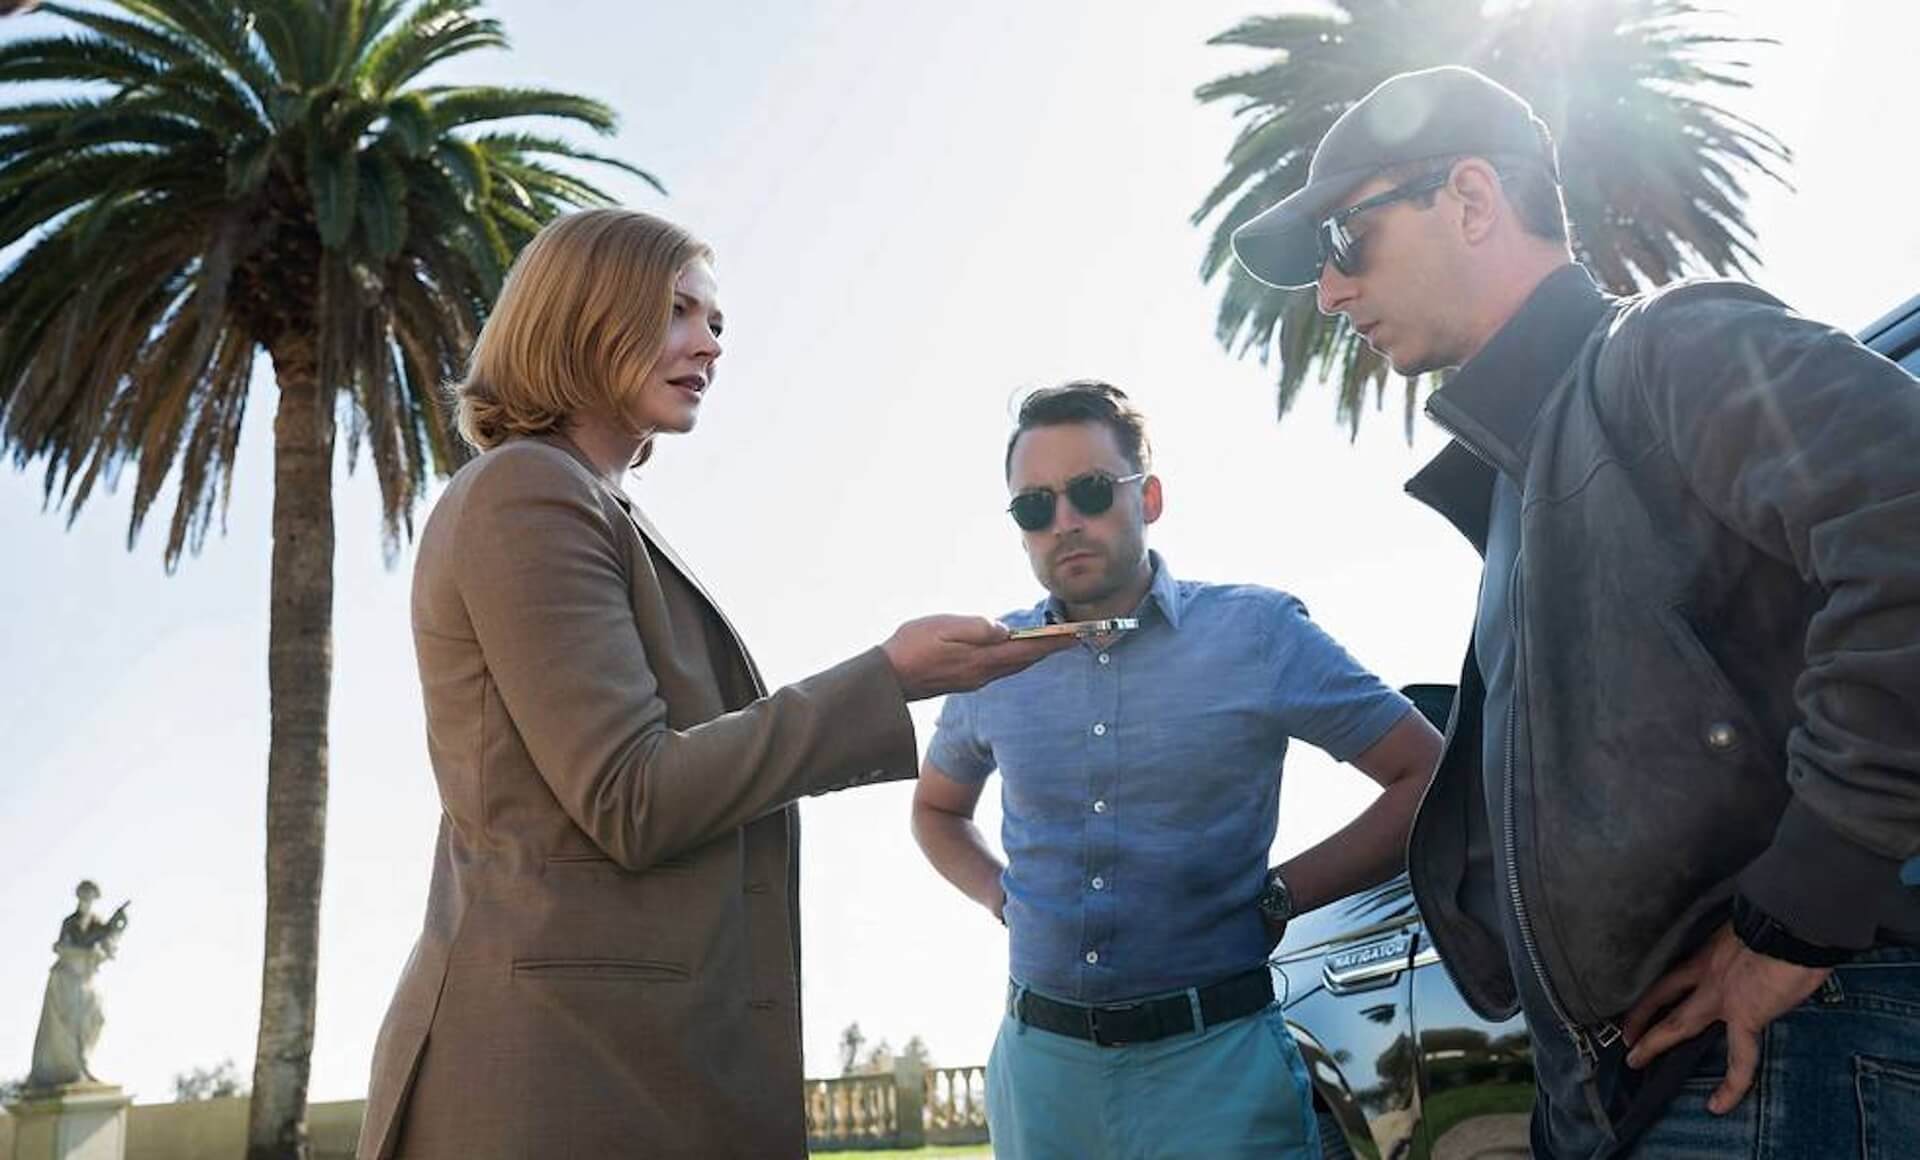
(1839, 1076)
(1235, 1090)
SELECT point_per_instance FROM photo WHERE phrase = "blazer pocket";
(606, 970)
(601, 862)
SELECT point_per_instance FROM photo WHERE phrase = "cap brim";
(1279, 246)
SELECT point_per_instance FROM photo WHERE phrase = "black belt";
(1118, 1024)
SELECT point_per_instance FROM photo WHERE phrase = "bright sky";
(919, 209)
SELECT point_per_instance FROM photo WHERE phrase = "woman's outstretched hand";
(935, 655)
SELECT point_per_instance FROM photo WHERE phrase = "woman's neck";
(606, 444)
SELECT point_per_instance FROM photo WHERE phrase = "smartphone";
(1078, 628)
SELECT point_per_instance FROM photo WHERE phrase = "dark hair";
(1532, 184)
(1086, 401)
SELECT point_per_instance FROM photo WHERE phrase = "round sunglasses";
(1090, 494)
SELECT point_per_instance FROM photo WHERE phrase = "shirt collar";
(1163, 592)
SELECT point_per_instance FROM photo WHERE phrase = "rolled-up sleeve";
(1324, 696)
(957, 749)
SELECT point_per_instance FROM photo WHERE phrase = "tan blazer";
(611, 953)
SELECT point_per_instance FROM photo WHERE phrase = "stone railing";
(911, 1107)
(856, 1111)
(956, 1105)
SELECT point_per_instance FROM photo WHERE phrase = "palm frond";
(454, 108)
(235, 178)
(77, 59)
(294, 35)
(409, 121)
(430, 35)
(219, 34)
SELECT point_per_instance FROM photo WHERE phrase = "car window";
(1897, 335)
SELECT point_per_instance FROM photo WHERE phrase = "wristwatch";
(1763, 934)
(1276, 902)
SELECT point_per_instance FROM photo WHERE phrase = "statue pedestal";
(80, 1121)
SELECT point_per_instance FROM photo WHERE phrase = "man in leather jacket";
(1683, 771)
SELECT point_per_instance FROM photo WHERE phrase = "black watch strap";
(1763, 934)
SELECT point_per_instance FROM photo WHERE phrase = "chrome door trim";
(1359, 966)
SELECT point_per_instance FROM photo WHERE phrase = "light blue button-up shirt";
(1141, 782)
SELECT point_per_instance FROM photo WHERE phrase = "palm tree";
(1653, 168)
(219, 179)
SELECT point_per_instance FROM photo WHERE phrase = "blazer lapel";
(664, 550)
(658, 543)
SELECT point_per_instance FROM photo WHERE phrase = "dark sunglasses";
(1090, 494)
(1342, 248)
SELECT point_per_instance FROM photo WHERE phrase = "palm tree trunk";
(299, 687)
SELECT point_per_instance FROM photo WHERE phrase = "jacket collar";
(1490, 403)
(563, 442)
(641, 523)
(651, 536)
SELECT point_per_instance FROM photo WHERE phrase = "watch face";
(1276, 901)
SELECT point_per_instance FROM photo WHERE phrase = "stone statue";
(70, 1016)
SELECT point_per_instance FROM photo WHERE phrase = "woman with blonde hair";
(609, 964)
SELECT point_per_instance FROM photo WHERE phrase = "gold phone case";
(1078, 628)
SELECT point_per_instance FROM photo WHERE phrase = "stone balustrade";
(911, 1107)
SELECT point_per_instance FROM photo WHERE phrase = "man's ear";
(1152, 501)
(1476, 186)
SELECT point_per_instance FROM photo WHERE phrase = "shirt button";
(1099, 883)
(1100, 807)
(1105, 659)
(1099, 728)
(1721, 735)
(1093, 957)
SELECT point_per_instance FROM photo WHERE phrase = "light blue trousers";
(1235, 1090)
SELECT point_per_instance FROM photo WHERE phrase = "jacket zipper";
(1589, 1056)
(1582, 1042)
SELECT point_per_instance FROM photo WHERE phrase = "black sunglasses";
(1342, 248)
(1090, 494)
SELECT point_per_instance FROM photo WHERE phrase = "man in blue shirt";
(1140, 788)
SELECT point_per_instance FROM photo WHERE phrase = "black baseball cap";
(1436, 112)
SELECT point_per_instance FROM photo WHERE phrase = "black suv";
(1402, 1068)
